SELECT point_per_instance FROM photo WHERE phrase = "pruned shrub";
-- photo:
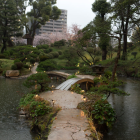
(13, 67)
(43, 57)
(47, 65)
(2, 56)
(16, 60)
(1, 70)
(60, 52)
(19, 65)
(26, 66)
(32, 60)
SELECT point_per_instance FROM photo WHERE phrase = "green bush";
(16, 60)
(1, 70)
(60, 52)
(85, 70)
(2, 56)
(43, 58)
(32, 60)
(13, 67)
(35, 105)
(71, 76)
(19, 65)
(4, 73)
(55, 54)
(26, 66)
(103, 113)
(47, 65)
(49, 56)
(44, 46)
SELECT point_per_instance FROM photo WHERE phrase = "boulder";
(12, 73)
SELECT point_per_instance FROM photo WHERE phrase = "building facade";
(58, 25)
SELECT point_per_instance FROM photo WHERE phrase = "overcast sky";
(78, 11)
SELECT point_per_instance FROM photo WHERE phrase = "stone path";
(33, 71)
(70, 123)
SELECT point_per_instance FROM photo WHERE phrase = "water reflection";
(127, 126)
(12, 127)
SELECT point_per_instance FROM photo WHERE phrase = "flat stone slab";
(70, 124)
(64, 99)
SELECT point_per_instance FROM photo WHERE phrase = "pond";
(13, 127)
(127, 126)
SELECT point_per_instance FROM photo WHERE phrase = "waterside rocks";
(12, 73)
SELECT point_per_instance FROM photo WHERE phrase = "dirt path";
(70, 123)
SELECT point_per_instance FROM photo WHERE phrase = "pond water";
(127, 108)
(12, 127)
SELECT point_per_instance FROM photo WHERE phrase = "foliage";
(44, 46)
(108, 87)
(103, 113)
(16, 60)
(26, 66)
(47, 65)
(4, 73)
(85, 70)
(32, 60)
(2, 56)
(10, 20)
(19, 65)
(76, 88)
(71, 56)
(39, 79)
(41, 12)
(43, 57)
(35, 105)
(14, 67)
(71, 76)
(1, 70)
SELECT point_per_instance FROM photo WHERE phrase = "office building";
(58, 25)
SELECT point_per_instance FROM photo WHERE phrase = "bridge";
(58, 74)
(84, 83)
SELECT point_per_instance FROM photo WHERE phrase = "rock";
(21, 112)
(12, 73)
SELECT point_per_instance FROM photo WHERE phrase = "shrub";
(16, 60)
(32, 60)
(85, 70)
(47, 65)
(60, 52)
(55, 54)
(4, 73)
(71, 76)
(13, 67)
(43, 58)
(2, 56)
(26, 66)
(1, 70)
(103, 113)
(40, 79)
(19, 65)
(50, 49)
(36, 106)
(49, 56)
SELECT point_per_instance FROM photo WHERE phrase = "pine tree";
(10, 24)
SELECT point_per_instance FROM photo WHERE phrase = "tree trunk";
(104, 52)
(125, 47)
(4, 46)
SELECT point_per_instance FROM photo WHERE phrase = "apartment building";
(58, 25)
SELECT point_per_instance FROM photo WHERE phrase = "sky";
(78, 11)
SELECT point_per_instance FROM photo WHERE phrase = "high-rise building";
(58, 25)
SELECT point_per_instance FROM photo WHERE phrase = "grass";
(6, 64)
